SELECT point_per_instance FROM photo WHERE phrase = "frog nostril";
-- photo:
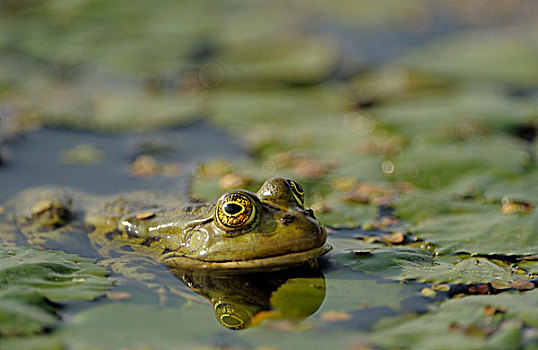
(286, 219)
(310, 213)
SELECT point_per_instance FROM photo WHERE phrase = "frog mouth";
(278, 262)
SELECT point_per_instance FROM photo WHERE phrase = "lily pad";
(386, 262)
(469, 271)
(454, 226)
(456, 114)
(465, 323)
(104, 109)
(506, 56)
(340, 214)
(406, 263)
(293, 59)
(30, 278)
(438, 164)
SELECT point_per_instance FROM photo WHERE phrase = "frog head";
(269, 229)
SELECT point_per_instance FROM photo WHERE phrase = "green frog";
(242, 231)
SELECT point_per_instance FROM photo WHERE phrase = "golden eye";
(235, 210)
(297, 191)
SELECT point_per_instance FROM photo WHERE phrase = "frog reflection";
(243, 300)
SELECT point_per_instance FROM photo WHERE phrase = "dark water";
(35, 158)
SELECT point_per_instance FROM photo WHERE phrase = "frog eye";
(235, 210)
(297, 191)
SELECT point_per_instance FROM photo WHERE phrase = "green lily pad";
(486, 233)
(506, 56)
(40, 343)
(439, 164)
(454, 226)
(530, 266)
(465, 323)
(342, 214)
(422, 205)
(406, 263)
(456, 115)
(470, 270)
(386, 262)
(293, 59)
(30, 278)
(109, 111)
(521, 187)
(465, 226)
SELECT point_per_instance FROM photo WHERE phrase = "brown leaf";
(234, 180)
(500, 284)
(523, 285)
(143, 215)
(335, 316)
(490, 310)
(144, 166)
(479, 289)
(395, 238)
(118, 295)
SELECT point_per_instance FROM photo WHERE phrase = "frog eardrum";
(235, 211)
(297, 191)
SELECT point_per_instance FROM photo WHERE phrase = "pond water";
(412, 127)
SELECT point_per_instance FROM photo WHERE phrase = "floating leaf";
(454, 226)
(500, 56)
(29, 278)
(450, 326)
(386, 262)
(470, 270)
(436, 165)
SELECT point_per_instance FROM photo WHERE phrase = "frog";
(242, 231)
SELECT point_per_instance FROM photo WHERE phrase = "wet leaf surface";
(454, 226)
(462, 323)
(30, 280)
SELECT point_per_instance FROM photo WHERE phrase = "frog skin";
(242, 231)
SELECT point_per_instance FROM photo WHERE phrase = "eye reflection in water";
(243, 300)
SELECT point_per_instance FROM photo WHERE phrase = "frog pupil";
(232, 208)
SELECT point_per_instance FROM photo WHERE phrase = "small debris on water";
(479, 289)
(336, 316)
(441, 287)
(523, 285)
(234, 180)
(143, 215)
(428, 292)
(118, 295)
(83, 154)
(500, 284)
(41, 207)
(490, 310)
